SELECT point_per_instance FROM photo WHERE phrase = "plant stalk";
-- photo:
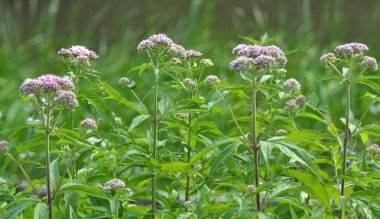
(255, 146)
(155, 133)
(187, 197)
(47, 152)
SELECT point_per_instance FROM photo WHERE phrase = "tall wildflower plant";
(52, 95)
(350, 64)
(161, 51)
(262, 68)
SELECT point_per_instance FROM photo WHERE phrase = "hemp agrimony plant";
(52, 95)
(350, 64)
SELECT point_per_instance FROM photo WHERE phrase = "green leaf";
(113, 94)
(224, 154)
(54, 173)
(314, 185)
(71, 213)
(163, 105)
(174, 166)
(137, 120)
(211, 147)
(296, 154)
(79, 187)
(15, 210)
(41, 211)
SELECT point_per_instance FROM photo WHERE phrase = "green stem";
(155, 133)
(255, 146)
(47, 152)
(187, 197)
(346, 135)
(26, 176)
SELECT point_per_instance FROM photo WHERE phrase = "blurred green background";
(31, 32)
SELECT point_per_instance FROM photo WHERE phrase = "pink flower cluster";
(113, 184)
(351, 49)
(78, 55)
(51, 85)
(48, 83)
(262, 56)
(162, 41)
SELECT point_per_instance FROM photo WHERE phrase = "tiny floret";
(292, 85)
(207, 62)
(155, 41)
(292, 104)
(113, 185)
(46, 84)
(242, 63)
(374, 148)
(370, 63)
(89, 124)
(124, 81)
(67, 99)
(4, 146)
(264, 61)
(301, 99)
(251, 188)
(281, 132)
(212, 80)
(190, 54)
(178, 50)
(188, 82)
(238, 48)
(327, 58)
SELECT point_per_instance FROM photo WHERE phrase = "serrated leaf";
(137, 121)
(54, 173)
(163, 104)
(15, 210)
(224, 154)
(41, 211)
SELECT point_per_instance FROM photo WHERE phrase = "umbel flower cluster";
(4, 146)
(161, 42)
(113, 185)
(51, 86)
(350, 50)
(78, 55)
(263, 57)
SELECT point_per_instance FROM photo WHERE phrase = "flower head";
(300, 99)
(238, 48)
(351, 49)
(207, 62)
(4, 146)
(188, 82)
(242, 63)
(78, 55)
(374, 148)
(292, 85)
(370, 63)
(182, 115)
(281, 132)
(292, 104)
(67, 99)
(124, 81)
(46, 84)
(89, 124)
(212, 79)
(264, 61)
(251, 188)
(113, 184)
(155, 41)
(178, 50)
(190, 54)
(326, 58)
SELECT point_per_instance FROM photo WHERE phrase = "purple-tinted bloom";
(46, 84)
(370, 63)
(178, 50)
(212, 79)
(82, 60)
(251, 188)
(154, 42)
(188, 82)
(124, 81)
(326, 58)
(351, 49)
(238, 48)
(207, 62)
(281, 132)
(192, 54)
(251, 51)
(183, 115)
(292, 104)
(78, 55)
(67, 99)
(264, 61)
(300, 99)
(242, 63)
(64, 52)
(89, 124)
(292, 85)
(78, 50)
(4, 146)
(374, 148)
(113, 184)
